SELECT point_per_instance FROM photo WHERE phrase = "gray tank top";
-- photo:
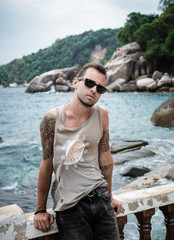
(75, 162)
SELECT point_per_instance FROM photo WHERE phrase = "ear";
(75, 81)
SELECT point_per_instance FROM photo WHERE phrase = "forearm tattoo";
(47, 129)
(105, 170)
(104, 142)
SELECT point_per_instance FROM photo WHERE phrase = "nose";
(94, 89)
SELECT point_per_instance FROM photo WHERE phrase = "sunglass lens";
(101, 89)
(89, 83)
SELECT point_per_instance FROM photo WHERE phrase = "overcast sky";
(29, 25)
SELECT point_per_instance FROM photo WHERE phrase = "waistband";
(97, 192)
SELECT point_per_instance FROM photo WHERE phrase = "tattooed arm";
(105, 157)
(43, 221)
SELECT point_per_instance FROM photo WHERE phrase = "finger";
(119, 208)
(51, 219)
(47, 223)
(45, 226)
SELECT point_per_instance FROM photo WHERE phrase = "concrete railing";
(14, 224)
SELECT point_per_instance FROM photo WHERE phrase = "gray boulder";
(44, 82)
(127, 63)
(164, 114)
(135, 171)
(166, 80)
(115, 86)
(128, 87)
(146, 84)
(157, 75)
(61, 88)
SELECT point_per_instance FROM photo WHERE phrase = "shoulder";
(51, 114)
(104, 117)
(103, 112)
(49, 118)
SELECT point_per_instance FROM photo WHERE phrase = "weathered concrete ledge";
(144, 199)
(14, 224)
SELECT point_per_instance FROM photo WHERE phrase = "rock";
(115, 86)
(163, 89)
(36, 85)
(135, 171)
(1, 140)
(13, 85)
(44, 82)
(61, 88)
(128, 87)
(173, 82)
(131, 155)
(166, 80)
(146, 84)
(127, 63)
(121, 145)
(122, 71)
(171, 89)
(127, 49)
(170, 174)
(164, 114)
(157, 75)
(61, 81)
(148, 179)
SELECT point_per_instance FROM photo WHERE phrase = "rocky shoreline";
(127, 71)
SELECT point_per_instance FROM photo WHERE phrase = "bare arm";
(105, 158)
(47, 127)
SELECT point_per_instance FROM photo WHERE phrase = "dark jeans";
(91, 219)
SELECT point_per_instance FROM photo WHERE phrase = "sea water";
(20, 152)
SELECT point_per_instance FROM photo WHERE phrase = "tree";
(133, 23)
(163, 4)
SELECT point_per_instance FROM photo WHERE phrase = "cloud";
(28, 25)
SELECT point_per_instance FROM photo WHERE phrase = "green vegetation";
(154, 33)
(71, 51)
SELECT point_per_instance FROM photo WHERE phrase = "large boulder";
(164, 114)
(44, 82)
(115, 86)
(127, 63)
(166, 80)
(146, 84)
(157, 75)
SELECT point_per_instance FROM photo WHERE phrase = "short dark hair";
(96, 66)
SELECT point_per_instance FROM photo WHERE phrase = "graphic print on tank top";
(74, 151)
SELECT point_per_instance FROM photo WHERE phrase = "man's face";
(89, 96)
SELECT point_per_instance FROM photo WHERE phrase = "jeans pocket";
(106, 196)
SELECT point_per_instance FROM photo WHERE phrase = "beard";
(84, 103)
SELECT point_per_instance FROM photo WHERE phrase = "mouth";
(90, 97)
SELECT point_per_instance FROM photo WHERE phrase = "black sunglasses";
(90, 84)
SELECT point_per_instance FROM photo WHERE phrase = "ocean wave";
(10, 187)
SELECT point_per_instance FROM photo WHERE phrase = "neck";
(78, 109)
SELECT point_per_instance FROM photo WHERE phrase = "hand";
(117, 206)
(43, 221)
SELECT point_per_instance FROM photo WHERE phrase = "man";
(75, 144)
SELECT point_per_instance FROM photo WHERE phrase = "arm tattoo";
(47, 129)
(105, 170)
(104, 142)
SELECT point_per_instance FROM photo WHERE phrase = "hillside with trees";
(71, 51)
